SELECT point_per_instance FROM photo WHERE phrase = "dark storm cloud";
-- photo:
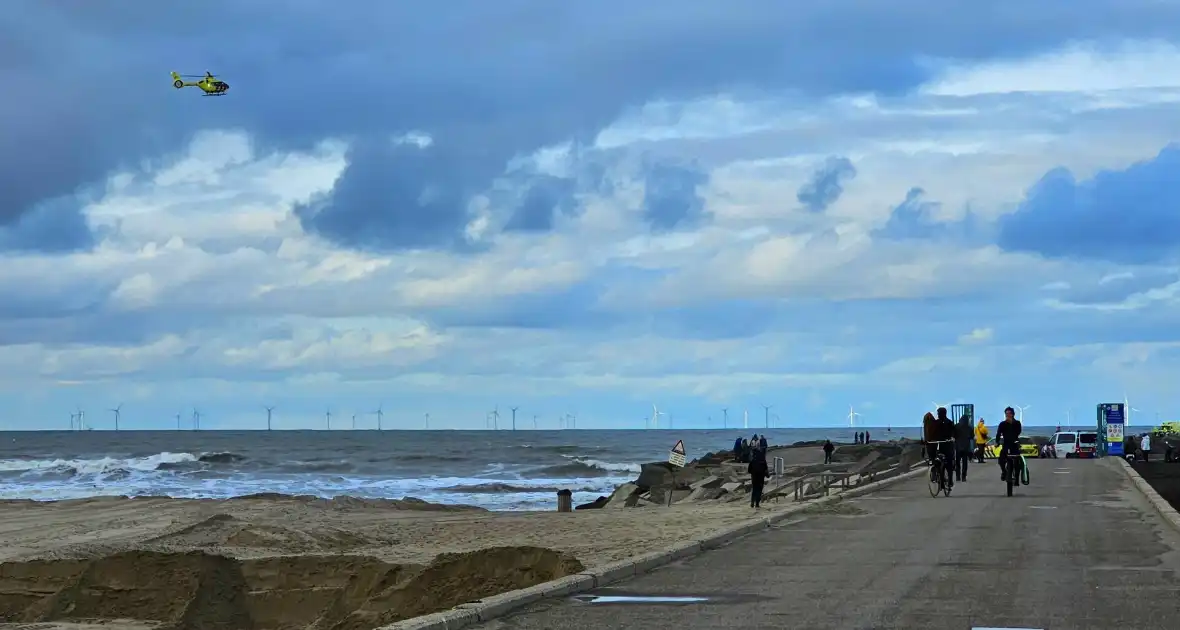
(672, 198)
(544, 199)
(914, 218)
(52, 226)
(1127, 216)
(826, 184)
(488, 80)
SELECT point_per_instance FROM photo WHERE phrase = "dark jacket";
(829, 447)
(1008, 433)
(944, 429)
(762, 442)
(758, 470)
(964, 434)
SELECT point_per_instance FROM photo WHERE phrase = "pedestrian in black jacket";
(964, 439)
(759, 471)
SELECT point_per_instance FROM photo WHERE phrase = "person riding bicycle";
(1008, 437)
(942, 431)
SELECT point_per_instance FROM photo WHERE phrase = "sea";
(497, 470)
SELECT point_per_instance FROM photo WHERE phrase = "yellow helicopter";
(211, 85)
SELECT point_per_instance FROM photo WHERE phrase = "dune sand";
(271, 561)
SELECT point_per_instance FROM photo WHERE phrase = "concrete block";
(613, 572)
(453, 619)
(683, 550)
(499, 605)
(712, 481)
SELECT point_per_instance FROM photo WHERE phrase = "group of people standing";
(744, 449)
(861, 437)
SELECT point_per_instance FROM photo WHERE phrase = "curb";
(488, 608)
(1161, 505)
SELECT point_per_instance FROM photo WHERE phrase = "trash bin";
(565, 501)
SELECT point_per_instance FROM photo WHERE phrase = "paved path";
(1078, 549)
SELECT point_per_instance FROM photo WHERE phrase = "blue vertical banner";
(1114, 429)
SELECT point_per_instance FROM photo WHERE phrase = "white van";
(1065, 444)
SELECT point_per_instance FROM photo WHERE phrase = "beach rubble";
(714, 477)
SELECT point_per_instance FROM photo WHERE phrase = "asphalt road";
(1078, 548)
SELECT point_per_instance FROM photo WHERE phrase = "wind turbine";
(328, 418)
(937, 405)
(196, 419)
(725, 418)
(116, 411)
(514, 417)
(73, 421)
(379, 416)
(495, 416)
(81, 419)
(353, 422)
(427, 420)
(746, 419)
(1020, 412)
(655, 416)
(766, 421)
(1129, 408)
(269, 410)
(534, 421)
(177, 421)
(852, 416)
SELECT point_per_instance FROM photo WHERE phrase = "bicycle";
(938, 467)
(1015, 477)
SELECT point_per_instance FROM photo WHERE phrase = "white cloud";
(204, 250)
(976, 336)
(1081, 68)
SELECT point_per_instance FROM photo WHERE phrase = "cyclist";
(1008, 437)
(943, 432)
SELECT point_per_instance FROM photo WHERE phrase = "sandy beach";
(296, 562)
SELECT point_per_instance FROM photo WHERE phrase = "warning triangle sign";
(679, 448)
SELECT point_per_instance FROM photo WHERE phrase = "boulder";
(705, 494)
(659, 496)
(710, 482)
(865, 462)
(595, 504)
(626, 495)
(733, 471)
(654, 474)
(733, 487)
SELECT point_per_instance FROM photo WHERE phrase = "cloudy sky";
(588, 208)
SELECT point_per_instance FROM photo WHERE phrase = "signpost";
(677, 457)
(1111, 421)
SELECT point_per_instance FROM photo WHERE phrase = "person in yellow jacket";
(981, 436)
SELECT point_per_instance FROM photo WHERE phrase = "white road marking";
(1042, 507)
(978, 628)
(1060, 472)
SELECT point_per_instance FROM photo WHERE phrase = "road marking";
(1060, 472)
(978, 628)
(627, 599)
(1042, 507)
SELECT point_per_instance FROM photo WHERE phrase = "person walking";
(981, 437)
(829, 448)
(964, 440)
(759, 471)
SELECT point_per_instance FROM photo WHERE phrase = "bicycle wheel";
(935, 482)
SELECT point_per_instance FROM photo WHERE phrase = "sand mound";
(226, 530)
(198, 591)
